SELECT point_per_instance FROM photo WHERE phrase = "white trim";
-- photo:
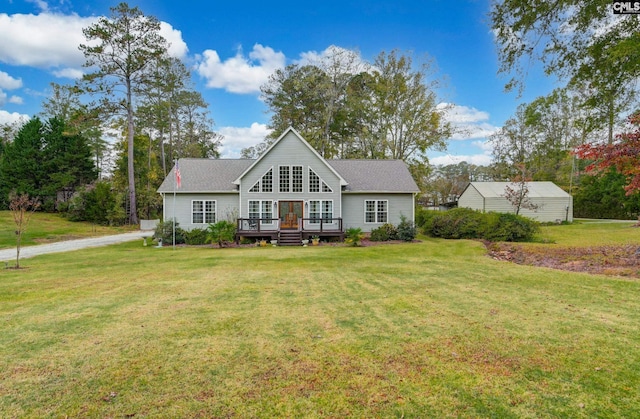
(376, 211)
(343, 182)
(321, 201)
(204, 211)
(260, 213)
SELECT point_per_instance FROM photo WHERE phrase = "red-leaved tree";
(623, 154)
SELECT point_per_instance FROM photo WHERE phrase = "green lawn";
(47, 228)
(584, 233)
(434, 329)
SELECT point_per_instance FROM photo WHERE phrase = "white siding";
(471, 198)
(226, 208)
(550, 208)
(354, 204)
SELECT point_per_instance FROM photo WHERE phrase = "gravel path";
(65, 246)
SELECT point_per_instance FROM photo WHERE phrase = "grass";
(434, 329)
(586, 233)
(47, 228)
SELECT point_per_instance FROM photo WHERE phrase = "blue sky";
(232, 47)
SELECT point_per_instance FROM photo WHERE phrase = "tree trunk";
(133, 210)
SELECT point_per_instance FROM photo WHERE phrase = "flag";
(178, 177)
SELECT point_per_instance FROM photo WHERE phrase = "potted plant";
(305, 242)
(315, 240)
(263, 243)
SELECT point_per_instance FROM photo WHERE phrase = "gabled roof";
(375, 175)
(284, 134)
(206, 175)
(218, 175)
(536, 189)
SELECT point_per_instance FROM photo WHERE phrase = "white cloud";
(16, 100)
(50, 40)
(347, 60)
(10, 118)
(68, 73)
(237, 138)
(45, 40)
(177, 46)
(477, 159)
(469, 123)
(240, 74)
(41, 4)
(8, 82)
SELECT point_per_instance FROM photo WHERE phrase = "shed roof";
(536, 189)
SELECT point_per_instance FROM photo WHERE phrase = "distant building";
(553, 203)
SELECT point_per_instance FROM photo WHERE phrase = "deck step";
(290, 238)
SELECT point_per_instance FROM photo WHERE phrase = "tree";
(517, 193)
(347, 109)
(22, 208)
(65, 104)
(603, 196)
(22, 167)
(623, 155)
(581, 42)
(129, 43)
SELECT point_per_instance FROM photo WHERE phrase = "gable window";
(315, 183)
(261, 209)
(203, 212)
(376, 211)
(320, 210)
(265, 184)
(290, 179)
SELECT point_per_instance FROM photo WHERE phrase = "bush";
(458, 223)
(353, 236)
(423, 216)
(164, 231)
(508, 227)
(223, 232)
(406, 230)
(195, 237)
(384, 233)
(465, 223)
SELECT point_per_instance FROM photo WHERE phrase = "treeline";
(100, 148)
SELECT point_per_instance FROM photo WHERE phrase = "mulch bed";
(605, 260)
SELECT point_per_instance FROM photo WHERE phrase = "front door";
(289, 213)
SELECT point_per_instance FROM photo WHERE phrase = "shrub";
(406, 229)
(196, 237)
(465, 223)
(458, 223)
(223, 232)
(384, 233)
(509, 227)
(423, 216)
(353, 236)
(164, 231)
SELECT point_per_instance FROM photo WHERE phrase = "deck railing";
(305, 225)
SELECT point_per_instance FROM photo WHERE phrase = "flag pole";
(173, 218)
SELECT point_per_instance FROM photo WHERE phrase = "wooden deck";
(269, 228)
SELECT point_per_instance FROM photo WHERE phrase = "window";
(315, 181)
(376, 211)
(261, 209)
(203, 212)
(291, 179)
(284, 178)
(265, 184)
(320, 209)
(296, 185)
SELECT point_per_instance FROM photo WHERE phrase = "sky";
(232, 47)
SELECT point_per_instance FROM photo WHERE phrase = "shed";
(553, 202)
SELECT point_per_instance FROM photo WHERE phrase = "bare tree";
(22, 208)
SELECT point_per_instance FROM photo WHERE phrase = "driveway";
(65, 246)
